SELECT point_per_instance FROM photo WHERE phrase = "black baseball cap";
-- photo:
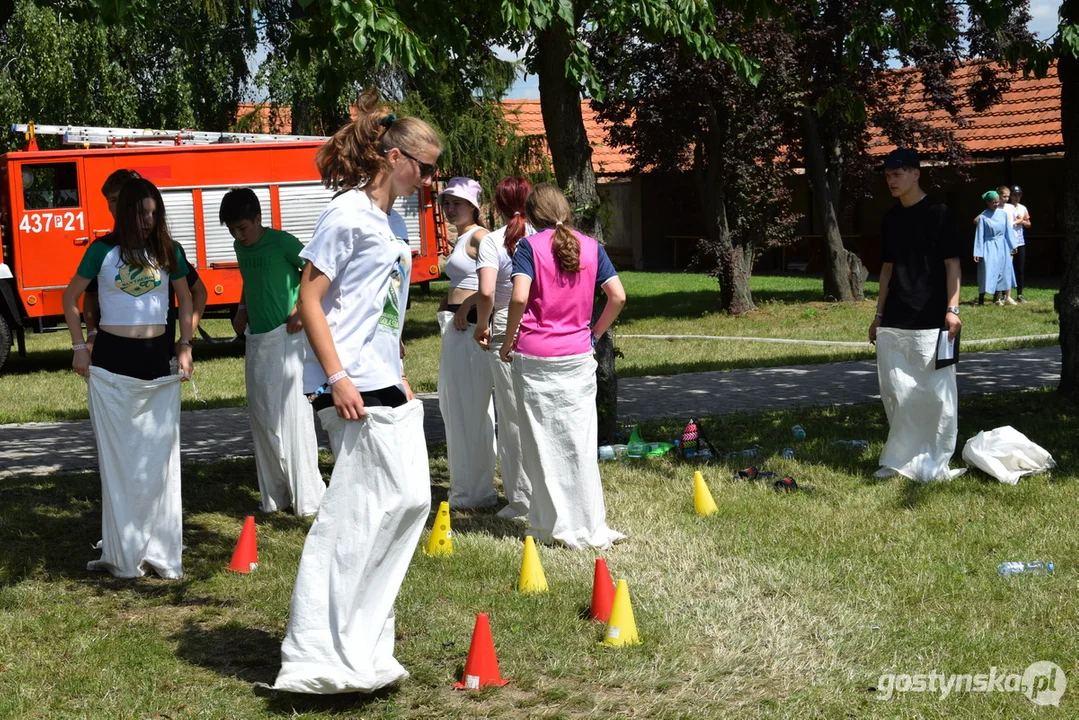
(1017, 190)
(902, 158)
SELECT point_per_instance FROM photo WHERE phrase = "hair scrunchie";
(991, 195)
(388, 120)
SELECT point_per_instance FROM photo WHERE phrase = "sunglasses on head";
(426, 169)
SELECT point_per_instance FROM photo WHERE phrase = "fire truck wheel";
(5, 340)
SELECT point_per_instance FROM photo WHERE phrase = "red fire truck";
(51, 208)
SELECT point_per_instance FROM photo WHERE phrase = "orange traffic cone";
(245, 557)
(481, 668)
(602, 593)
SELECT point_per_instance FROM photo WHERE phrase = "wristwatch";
(953, 309)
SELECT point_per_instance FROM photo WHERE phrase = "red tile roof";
(606, 160)
(256, 118)
(1027, 119)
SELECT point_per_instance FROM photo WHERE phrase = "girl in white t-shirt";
(465, 385)
(494, 266)
(353, 295)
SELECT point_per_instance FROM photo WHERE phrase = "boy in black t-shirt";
(919, 298)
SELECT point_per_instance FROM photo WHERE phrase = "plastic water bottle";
(1035, 567)
(798, 432)
(852, 444)
(612, 452)
(788, 453)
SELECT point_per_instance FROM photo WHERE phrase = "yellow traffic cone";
(441, 540)
(702, 498)
(532, 579)
(621, 630)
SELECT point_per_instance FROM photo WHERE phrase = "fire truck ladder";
(125, 137)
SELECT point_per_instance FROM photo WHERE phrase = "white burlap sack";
(556, 398)
(921, 403)
(282, 423)
(341, 621)
(137, 427)
(514, 480)
(1007, 454)
(465, 399)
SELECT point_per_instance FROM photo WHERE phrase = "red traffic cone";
(602, 593)
(481, 668)
(245, 557)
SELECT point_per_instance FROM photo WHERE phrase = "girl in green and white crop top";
(133, 266)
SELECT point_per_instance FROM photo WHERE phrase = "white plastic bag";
(282, 424)
(515, 481)
(921, 403)
(1007, 454)
(556, 397)
(137, 427)
(466, 401)
(341, 622)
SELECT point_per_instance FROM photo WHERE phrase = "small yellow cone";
(702, 498)
(532, 578)
(621, 630)
(441, 540)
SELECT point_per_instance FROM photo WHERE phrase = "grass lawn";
(42, 387)
(780, 605)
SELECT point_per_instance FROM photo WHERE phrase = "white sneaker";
(1010, 301)
(1000, 302)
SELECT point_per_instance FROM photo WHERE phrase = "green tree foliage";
(675, 111)
(177, 68)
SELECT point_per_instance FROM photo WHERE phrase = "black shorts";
(142, 358)
(391, 396)
(473, 317)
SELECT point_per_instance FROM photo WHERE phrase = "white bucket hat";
(464, 188)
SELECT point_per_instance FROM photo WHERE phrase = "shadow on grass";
(350, 704)
(50, 523)
(230, 650)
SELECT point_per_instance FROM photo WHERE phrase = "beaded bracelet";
(79, 346)
(91, 334)
(336, 376)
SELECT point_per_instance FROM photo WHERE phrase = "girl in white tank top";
(465, 383)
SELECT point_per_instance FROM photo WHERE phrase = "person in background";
(994, 244)
(353, 297)
(282, 426)
(465, 382)
(1022, 224)
(555, 276)
(494, 267)
(919, 298)
(90, 311)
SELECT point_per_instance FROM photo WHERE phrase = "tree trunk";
(844, 273)
(1067, 300)
(734, 268)
(560, 105)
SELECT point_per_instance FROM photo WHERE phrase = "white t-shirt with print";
(492, 254)
(366, 255)
(1019, 213)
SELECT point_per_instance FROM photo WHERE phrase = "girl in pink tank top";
(549, 342)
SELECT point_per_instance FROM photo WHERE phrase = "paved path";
(43, 448)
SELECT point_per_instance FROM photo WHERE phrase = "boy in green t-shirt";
(270, 265)
(282, 424)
